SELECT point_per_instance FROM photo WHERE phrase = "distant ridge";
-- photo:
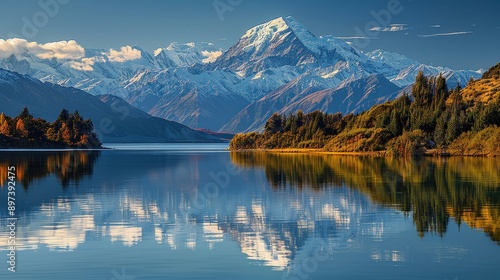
(114, 119)
(203, 86)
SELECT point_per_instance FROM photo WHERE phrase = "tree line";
(433, 118)
(69, 130)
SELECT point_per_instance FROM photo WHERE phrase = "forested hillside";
(432, 120)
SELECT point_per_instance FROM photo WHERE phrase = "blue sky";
(458, 34)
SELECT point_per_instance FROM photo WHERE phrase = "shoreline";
(313, 151)
(427, 153)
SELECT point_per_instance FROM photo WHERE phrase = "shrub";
(407, 145)
(483, 143)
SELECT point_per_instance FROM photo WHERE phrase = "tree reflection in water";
(68, 166)
(433, 190)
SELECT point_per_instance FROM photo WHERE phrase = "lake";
(198, 211)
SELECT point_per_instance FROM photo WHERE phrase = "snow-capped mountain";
(283, 42)
(114, 119)
(402, 70)
(271, 67)
(186, 55)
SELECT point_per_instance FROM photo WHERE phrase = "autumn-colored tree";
(21, 129)
(5, 128)
(4, 125)
(65, 134)
(2, 118)
(69, 130)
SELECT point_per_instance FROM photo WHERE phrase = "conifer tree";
(274, 124)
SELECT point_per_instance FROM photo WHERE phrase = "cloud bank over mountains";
(69, 51)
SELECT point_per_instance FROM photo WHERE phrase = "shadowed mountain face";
(273, 67)
(349, 97)
(114, 119)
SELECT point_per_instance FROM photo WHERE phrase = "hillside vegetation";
(68, 131)
(435, 120)
(484, 90)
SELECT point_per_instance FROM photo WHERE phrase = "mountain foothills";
(114, 119)
(434, 120)
(278, 66)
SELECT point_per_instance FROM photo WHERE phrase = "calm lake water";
(200, 212)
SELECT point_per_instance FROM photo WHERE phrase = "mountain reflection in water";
(433, 190)
(280, 209)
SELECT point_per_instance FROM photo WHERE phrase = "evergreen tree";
(441, 129)
(274, 124)
(25, 115)
(62, 118)
(395, 126)
(471, 81)
(421, 90)
(439, 97)
(78, 126)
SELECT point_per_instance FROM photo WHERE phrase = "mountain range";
(278, 66)
(114, 119)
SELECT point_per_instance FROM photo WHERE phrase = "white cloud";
(12, 47)
(86, 64)
(63, 50)
(124, 54)
(81, 66)
(210, 56)
(390, 28)
(446, 34)
(435, 26)
(70, 52)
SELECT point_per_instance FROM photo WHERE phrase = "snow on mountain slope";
(252, 116)
(186, 55)
(284, 42)
(197, 99)
(200, 85)
(114, 119)
(309, 94)
(101, 71)
(402, 70)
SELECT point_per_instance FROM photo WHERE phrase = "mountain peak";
(281, 26)
(269, 28)
(298, 28)
(259, 37)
